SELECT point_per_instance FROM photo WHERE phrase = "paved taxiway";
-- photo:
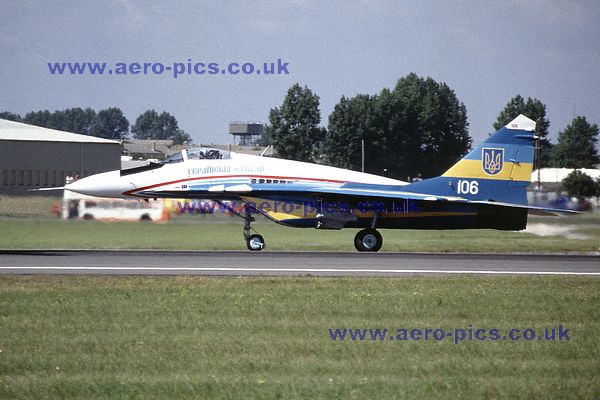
(290, 263)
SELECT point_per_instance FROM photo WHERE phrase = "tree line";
(109, 123)
(417, 129)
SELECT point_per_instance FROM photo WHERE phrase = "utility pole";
(362, 150)
(538, 161)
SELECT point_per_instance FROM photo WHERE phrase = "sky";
(486, 51)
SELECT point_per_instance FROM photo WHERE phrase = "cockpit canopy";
(192, 154)
(207, 154)
(202, 153)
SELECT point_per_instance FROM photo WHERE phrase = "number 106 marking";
(467, 187)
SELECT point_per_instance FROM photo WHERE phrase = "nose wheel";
(368, 240)
(254, 242)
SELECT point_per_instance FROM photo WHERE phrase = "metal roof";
(10, 130)
(150, 146)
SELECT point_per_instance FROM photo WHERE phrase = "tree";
(164, 126)
(110, 123)
(431, 125)
(579, 184)
(181, 137)
(38, 118)
(264, 139)
(350, 123)
(76, 120)
(294, 127)
(536, 110)
(10, 116)
(576, 147)
(417, 129)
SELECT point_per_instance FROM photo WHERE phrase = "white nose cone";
(106, 184)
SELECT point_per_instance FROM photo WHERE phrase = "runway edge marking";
(315, 270)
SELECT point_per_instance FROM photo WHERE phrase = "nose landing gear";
(254, 242)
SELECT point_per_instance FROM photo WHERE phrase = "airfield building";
(32, 157)
(245, 133)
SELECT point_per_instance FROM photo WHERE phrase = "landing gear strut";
(254, 242)
(368, 240)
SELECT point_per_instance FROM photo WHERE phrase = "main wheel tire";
(368, 240)
(255, 243)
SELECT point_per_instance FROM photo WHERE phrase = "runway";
(234, 263)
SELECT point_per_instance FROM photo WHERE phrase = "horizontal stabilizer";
(532, 209)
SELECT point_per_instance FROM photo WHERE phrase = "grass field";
(242, 338)
(267, 338)
(225, 233)
(26, 223)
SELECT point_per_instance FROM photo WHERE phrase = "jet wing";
(346, 189)
(384, 193)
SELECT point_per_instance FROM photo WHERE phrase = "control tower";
(245, 133)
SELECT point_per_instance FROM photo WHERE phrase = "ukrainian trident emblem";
(493, 161)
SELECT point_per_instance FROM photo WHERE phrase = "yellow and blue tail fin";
(498, 170)
(505, 155)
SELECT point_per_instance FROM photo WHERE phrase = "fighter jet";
(486, 189)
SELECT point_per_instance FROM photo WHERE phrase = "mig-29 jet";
(486, 189)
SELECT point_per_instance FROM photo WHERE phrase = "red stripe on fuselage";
(129, 192)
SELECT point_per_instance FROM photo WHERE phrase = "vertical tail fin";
(498, 170)
(502, 164)
(505, 155)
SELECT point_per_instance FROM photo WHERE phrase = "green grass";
(28, 206)
(25, 223)
(267, 338)
(225, 233)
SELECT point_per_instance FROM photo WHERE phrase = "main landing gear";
(368, 240)
(254, 242)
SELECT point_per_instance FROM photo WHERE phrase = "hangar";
(31, 156)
